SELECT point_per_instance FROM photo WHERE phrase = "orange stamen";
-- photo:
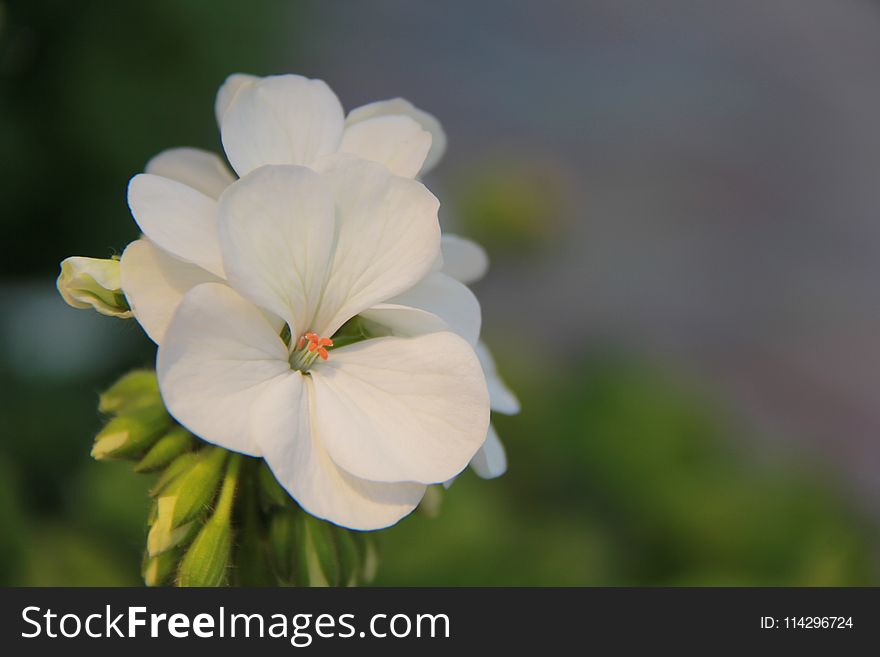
(315, 344)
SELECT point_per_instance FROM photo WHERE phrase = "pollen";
(309, 347)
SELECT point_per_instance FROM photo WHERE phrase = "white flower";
(289, 119)
(465, 261)
(93, 283)
(355, 434)
(285, 119)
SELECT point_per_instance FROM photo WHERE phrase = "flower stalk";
(207, 561)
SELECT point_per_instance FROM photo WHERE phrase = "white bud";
(93, 283)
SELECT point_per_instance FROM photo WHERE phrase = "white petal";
(399, 106)
(398, 142)
(387, 237)
(502, 398)
(155, 282)
(450, 300)
(402, 409)
(403, 321)
(277, 229)
(283, 119)
(463, 259)
(228, 91)
(201, 170)
(490, 461)
(218, 355)
(280, 425)
(177, 218)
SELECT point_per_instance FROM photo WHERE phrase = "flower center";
(308, 349)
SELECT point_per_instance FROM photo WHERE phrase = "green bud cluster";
(305, 551)
(220, 518)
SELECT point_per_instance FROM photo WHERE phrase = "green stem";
(223, 511)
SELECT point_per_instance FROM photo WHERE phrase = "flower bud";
(158, 570)
(174, 469)
(167, 448)
(93, 283)
(137, 389)
(131, 434)
(189, 494)
(206, 561)
(163, 534)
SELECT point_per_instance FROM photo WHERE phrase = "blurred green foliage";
(90, 90)
(618, 475)
(514, 204)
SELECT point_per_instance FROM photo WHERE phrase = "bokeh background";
(682, 205)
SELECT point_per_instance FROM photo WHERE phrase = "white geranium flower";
(286, 119)
(354, 434)
(465, 261)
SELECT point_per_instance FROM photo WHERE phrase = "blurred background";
(681, 201)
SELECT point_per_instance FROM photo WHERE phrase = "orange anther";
(310, 336)
(325, 342)
(313, 346)
(302, 342)
(323, 353)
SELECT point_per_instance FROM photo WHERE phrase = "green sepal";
(137, 389)
(174, 469)
(354, 330)
(131, 434)
(159, 570)
(194, 490)
(163, 536)
(166, 449)
(206, 562)
(271, 492)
